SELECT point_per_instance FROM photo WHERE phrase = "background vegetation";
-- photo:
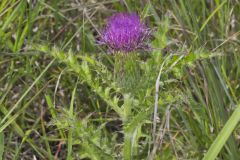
(61, 99)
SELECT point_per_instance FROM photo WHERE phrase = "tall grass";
(63, 97)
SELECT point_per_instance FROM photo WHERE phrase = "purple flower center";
(125, 33)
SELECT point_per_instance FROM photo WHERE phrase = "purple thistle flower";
(125, 32)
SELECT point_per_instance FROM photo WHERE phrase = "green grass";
(62, 96)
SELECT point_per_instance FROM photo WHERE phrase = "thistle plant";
(125, 34)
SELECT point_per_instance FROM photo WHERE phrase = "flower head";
(125, 32)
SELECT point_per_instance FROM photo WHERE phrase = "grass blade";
(223, 135)
(27, 91)
(70, 133)
(1, 145)
(211, 15)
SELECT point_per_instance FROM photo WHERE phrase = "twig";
(162, 130)
(156, 98)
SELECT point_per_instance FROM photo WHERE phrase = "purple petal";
(125, 32)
